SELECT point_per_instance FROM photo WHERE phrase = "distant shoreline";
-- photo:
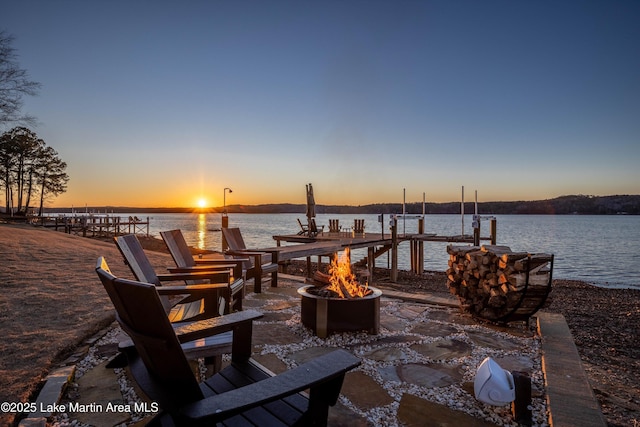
(564, 205)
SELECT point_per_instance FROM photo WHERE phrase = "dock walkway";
(377, 244)
(329, 244)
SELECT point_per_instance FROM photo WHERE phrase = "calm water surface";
(598, 249)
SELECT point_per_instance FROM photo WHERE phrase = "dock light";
(494, 385)
(224, 199)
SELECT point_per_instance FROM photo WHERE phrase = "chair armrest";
(203, 289)
(190, 331)
(201, 268)
(257, 255)
(207, 268)
(323, 371)
(237, 263)
(207, 262)
(217, 276)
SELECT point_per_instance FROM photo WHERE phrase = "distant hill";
(564, 205)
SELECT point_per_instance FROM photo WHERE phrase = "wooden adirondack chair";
(260, 262)
(211, 348)
(313, 228)
(334, 226)
(243, 393)
(358, 226)
(229, 295)
(304, 228)
(186, 262)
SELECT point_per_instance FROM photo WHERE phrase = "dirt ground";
(51, 300)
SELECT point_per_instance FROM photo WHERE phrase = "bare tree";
(14, 84)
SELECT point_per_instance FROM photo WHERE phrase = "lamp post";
(225, 217)
(224, 200)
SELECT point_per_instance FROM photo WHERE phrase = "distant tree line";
(565, 205)
(29, 169)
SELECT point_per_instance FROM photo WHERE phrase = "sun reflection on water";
(202, 231)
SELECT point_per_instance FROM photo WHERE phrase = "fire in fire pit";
(338, 303)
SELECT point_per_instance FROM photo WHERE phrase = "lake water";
(599, 249)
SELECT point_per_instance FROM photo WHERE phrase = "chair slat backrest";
(236, 243)
(178, 247)
(133, 253)
(165, 374)
(234, 239)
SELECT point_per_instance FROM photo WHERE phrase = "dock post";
(476, 232)
(412, 255)
(394, 249)
(420, 246)
(225, 224)
(493, 224)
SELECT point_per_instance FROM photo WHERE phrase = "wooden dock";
(329, 244)
(95, 225)
(377, 244)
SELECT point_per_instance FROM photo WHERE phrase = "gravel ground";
(604, 323)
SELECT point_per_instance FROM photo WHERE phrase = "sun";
(202, 203)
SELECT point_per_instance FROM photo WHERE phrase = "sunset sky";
(162, 103)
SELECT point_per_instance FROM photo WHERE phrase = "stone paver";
(486, 339)
(364, 392)
(272, 333)
(389, 354)
(391, 323)
(417, 412)
(423, 375)
(99, 386)
(450, 316)
(444, 349)
(308, 354)
(432, 329)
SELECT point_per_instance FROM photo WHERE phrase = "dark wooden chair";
(229, 294)
(186, 262)
(210, 348)
(334, 226)
(260, 262)
(313, 228)
(243, 393)
(304, 228)
(358, 226)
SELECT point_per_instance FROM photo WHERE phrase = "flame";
(342, 279)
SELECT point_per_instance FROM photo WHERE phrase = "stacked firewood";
(492, 281)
